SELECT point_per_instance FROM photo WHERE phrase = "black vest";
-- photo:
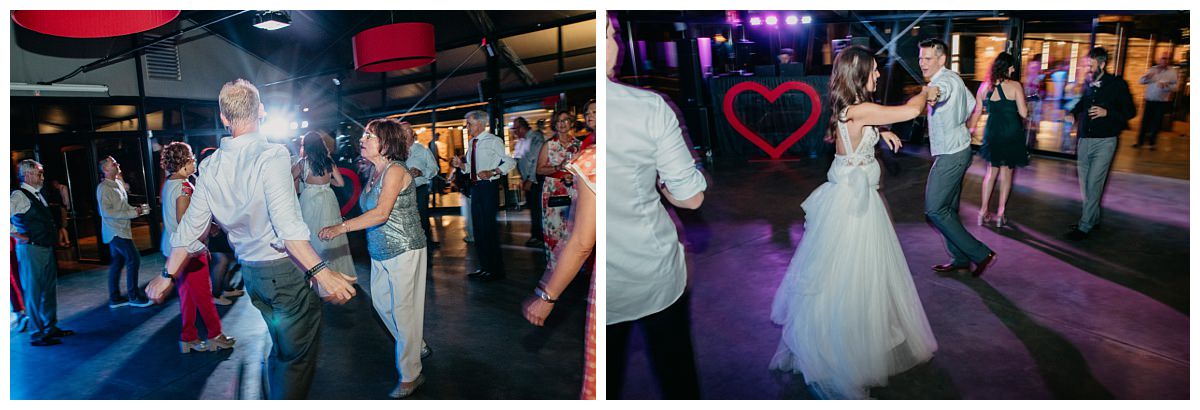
(37, 223)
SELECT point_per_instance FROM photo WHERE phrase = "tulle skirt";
(319, 208)
(850, 313)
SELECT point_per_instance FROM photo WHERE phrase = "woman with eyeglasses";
(558, 190)
(396, 244)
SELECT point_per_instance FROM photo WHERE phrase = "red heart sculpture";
(773, 151)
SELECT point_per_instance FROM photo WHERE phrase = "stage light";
(303, 124)
(720, 38)
(791, 20)
(275, 125)
(772, 20)
(755, 21)
(293, 125)
(806, 20)
(272, 19)
(305, 109)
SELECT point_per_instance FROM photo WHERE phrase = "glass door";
(80, 203)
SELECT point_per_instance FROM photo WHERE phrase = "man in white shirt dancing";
(486, 164)
(950, 144)
(246, 187)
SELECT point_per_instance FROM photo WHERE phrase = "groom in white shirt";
(950, 144)
(246, 187)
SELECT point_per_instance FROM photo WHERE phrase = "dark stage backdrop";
(772, 123)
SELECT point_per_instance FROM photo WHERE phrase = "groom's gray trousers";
(942, 194)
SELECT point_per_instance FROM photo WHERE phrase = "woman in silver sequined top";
(396, 244)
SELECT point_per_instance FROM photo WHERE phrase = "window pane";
(62, 118)
(200, 117)
(110, 118)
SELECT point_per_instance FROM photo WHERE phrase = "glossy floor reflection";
(1103, 318)
(483, 347)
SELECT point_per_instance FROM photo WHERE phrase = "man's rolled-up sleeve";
(283, 207)
(674, 161)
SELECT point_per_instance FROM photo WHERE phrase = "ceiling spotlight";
(755, 21)
(791, 20)
(806, 20)
(772, 20)
(337, 81)
(272, 19)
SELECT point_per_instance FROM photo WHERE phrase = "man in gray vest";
(37, 232)
(950, 144)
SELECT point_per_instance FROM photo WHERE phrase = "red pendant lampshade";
(92, 23)
(394, 47)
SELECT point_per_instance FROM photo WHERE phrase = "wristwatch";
(544, 296)
(167, 275)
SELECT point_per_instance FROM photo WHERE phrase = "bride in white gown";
(850, 313)
(319, 204)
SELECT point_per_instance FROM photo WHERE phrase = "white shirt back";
(247, 187)
(645, 145)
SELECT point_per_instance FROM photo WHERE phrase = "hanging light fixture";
(394, 47)
(92, 23)
(272, 19)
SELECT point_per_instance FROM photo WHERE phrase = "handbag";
(558, 201)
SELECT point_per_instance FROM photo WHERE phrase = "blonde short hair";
(239, 102)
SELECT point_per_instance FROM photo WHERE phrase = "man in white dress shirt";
(1161, 80)
(950, 144)
(646, 266)
(486, 164)
(423, 167)
(246, 187)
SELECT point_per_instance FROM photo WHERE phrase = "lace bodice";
(861, 155)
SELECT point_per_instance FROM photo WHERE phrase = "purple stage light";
(806, 20)
(755, 21)
(791, 20)
(772, 20)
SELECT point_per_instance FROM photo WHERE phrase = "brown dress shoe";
(951, 267)
(984, 264)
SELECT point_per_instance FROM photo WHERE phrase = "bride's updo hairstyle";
(848, 84)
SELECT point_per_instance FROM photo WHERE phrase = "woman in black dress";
(1003, 134)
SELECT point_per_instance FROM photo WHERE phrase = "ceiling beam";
(426, 77)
